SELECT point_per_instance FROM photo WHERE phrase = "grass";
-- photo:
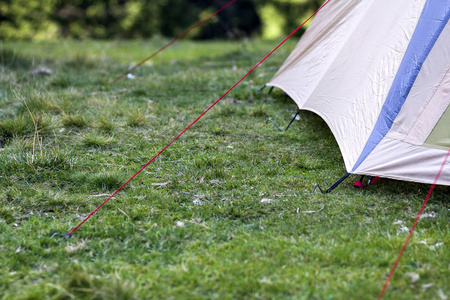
(193, 224)
(76, 121)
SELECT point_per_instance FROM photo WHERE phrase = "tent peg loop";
(317, 186)
(261, 88)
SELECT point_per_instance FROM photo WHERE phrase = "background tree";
(26, 19)
(107, 19)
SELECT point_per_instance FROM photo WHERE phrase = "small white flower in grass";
(431, 214)
(180, 224)
(265, 280)
(99, 195)
(404, 228)
(413, 277)
(266, 200)
(162, 184)
(131, 76)
(398, 222)
(74, 247)
(433, 247)
(197, 202)
(427, 286)
(441, 295)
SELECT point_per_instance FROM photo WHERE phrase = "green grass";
(192, 225)
(76, 121)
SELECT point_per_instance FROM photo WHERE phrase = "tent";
(378, 73)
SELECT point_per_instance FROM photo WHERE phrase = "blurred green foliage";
(107, 19)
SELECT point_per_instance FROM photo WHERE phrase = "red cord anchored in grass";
(173, 41)
(195, 121)
(400, 254)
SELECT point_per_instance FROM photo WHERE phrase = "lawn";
(227, 212)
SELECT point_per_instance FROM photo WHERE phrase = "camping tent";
(377, 72)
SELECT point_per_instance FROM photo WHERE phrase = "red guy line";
(388, 279)
(195, 121)
(173, 41)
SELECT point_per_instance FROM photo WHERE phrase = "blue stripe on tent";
(433, 19)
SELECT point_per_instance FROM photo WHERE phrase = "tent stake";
(270, 120)
(262, 88)
(295, 116)
(335, 185)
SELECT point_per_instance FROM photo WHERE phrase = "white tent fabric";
(377, 72)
